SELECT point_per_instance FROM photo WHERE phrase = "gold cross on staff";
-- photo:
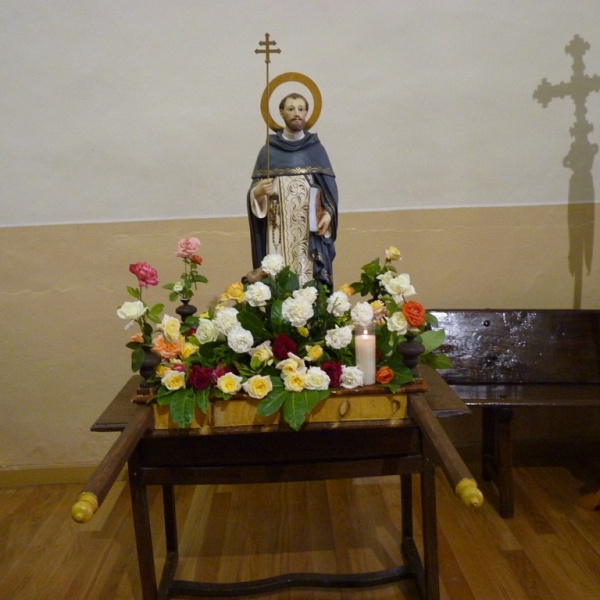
(268, 50)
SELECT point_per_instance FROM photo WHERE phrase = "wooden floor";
(551, 549)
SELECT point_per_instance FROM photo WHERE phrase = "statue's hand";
(323, 224)
(265, 186)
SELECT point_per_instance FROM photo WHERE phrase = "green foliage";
(182, 405)
(137, 358)
(298, 404)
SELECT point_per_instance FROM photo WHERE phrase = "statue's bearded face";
(294, 114)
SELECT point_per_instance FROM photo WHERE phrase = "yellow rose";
(170, 327)
(161, 370)
(173, 380)
(347, 289)
(229, 383)
(291, 365)
(235, 291)
(392, 253)
(303, 331)
(258, 386)
(313, 352)
(263, 353)
(294, 382)
(188, 349)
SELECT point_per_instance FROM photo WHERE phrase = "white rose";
(339, 337)
(131, 311)
(273, 263)
(240, 340)
(351, 377)
(309, 294)
(316, 379)
(178, 287)
(397, 322)
(206, 331)
(225, 319)
(257, 294)
(399, 286)
(293, 364)
(297, 311)
(362, 314)
(338, 304)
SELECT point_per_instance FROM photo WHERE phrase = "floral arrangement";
(284, 344)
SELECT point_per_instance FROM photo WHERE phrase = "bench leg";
(497, 458)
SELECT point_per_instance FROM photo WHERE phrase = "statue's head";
(294, 110)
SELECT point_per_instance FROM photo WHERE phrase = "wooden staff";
(94, 491)
(457, 473)
(268, 50)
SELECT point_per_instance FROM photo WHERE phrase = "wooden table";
(249, 455)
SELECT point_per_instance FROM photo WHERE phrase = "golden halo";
(285, 78)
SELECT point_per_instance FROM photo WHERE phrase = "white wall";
(130, 110)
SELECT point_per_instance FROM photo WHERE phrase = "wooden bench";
(506, 359)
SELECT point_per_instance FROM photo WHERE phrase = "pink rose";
(146, 274)
(187, 246)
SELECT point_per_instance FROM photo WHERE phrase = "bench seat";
(506, 359)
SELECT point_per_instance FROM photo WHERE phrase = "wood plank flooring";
(550, 550)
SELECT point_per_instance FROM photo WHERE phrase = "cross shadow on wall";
(580, 160)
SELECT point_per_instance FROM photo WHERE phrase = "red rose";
(414, 313)
(333, 368)
(178, 367)
(200, 377)
(196, 259)
(220, 370)
(282, 346)
(146, 274)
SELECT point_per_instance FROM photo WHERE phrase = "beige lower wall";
(63, 356)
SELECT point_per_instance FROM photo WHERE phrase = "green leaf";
(135, 292)
(436, 361)
(431, 319)
(199, 278)
(277, 316)
(183, 403)
(173, 296)
(163, 396)
(273, 401)
(432, 339)
(401, 376)
(168, 286)
(137, 359)
(298, 404)
(153, 318)
(202, 401)
(157, 309)
(254, 325)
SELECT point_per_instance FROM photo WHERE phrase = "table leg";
(143, 533)
(172, 543)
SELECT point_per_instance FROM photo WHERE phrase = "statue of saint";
(293, 208)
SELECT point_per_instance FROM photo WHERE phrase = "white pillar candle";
(364, 344)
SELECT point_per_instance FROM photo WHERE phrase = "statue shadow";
(580, 159)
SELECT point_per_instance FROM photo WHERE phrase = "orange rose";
(384, 375)
(166, 349)
(137, 338)
(414, 313)
(196, 259)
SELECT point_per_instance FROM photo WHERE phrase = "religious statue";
(293, 199)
